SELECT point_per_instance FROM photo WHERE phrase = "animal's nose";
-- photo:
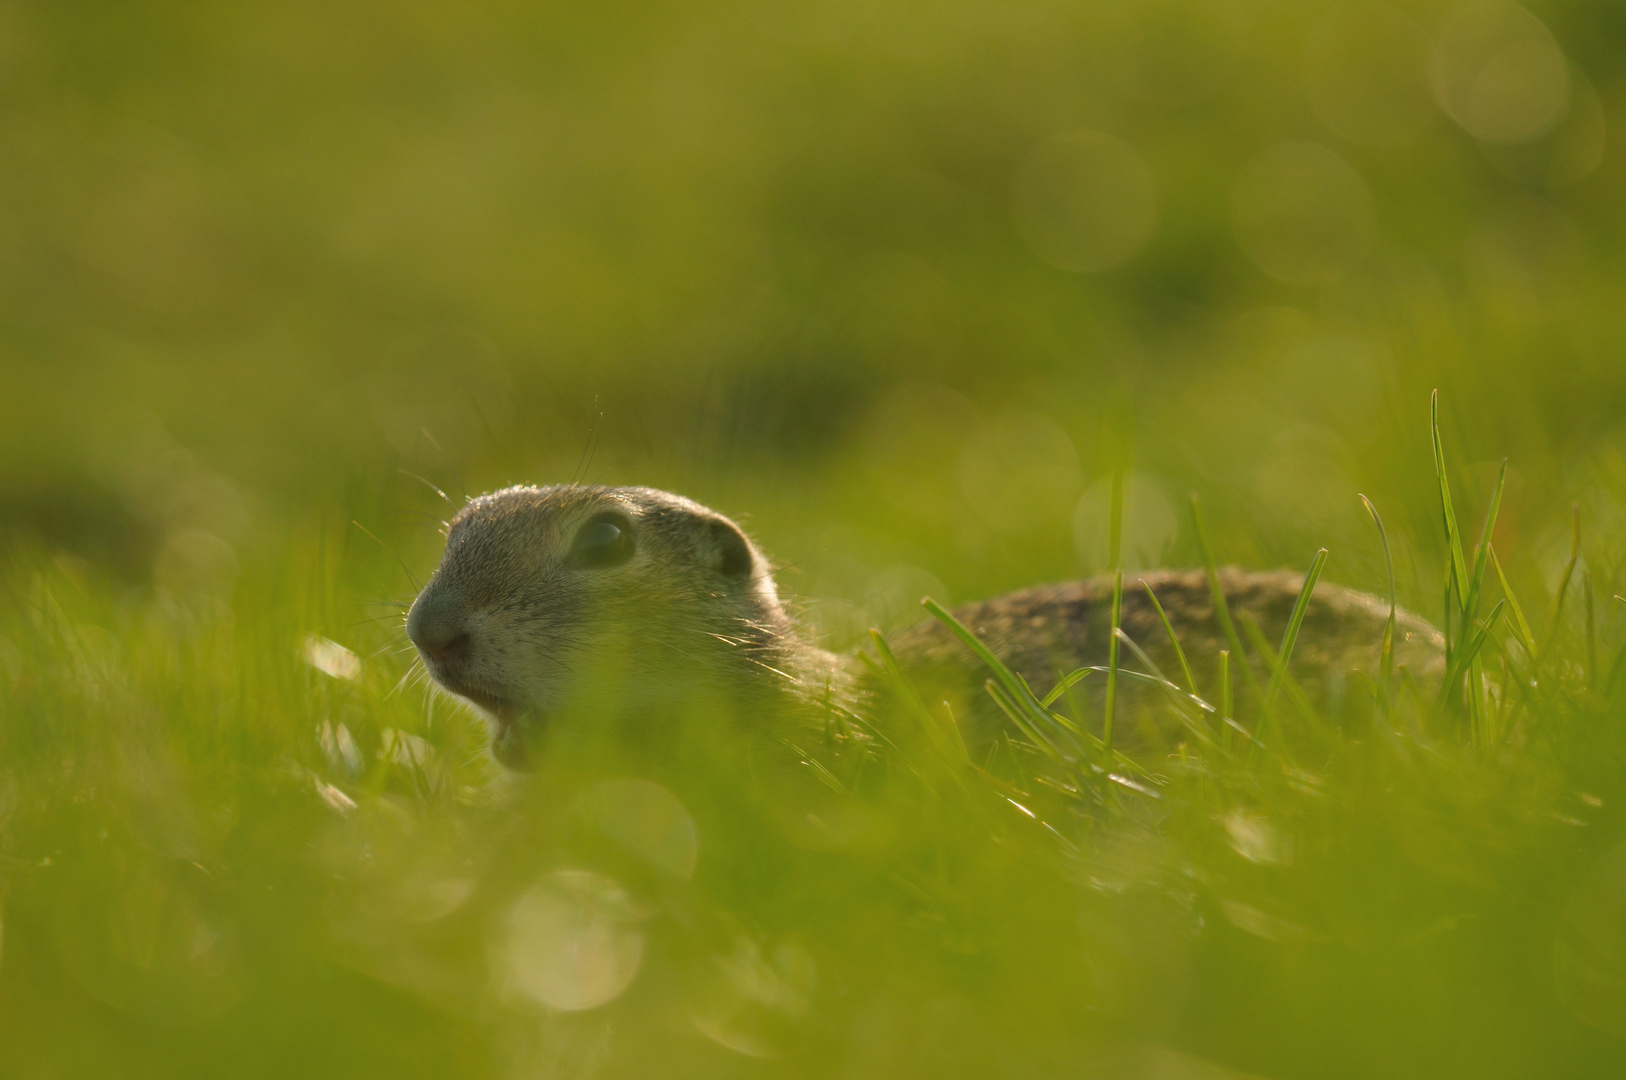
(446, 650)
(438, 631)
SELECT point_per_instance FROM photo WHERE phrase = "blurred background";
(900, 286)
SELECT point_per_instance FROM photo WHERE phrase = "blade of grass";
(1180, 695)
(824, 775)
(1591, 632)
(1465, 655)
(1075, 707)
(1447, 610)
(1006, 678)
(878, 731)
(1017, 691)
(1115, 530)
(1068, 681)
(1023, 724)
(1261, 646)
(1563, 582)
(1119, 758)
(1616, 664)
(1386, 655)
(1174, 639)
(948, 743)
(1182, 700)
(1112, 659)
(1217, 594)
(1479, 703)
(1115, 522)
(1470, 606)
(1453, 535)
(1290, 636)
(1520, 624)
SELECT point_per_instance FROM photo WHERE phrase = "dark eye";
(604, 541)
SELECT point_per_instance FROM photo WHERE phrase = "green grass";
(221, 859)
(273, 278)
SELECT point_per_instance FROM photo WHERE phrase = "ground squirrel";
(545, 593)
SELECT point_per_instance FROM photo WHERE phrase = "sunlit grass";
(234, 843)
(939, 299)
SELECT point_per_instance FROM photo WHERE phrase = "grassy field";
(902, 288)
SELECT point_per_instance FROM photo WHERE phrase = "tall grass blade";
(1217, 594)
(1591, 632)
(1551, 635)
(1115, 522)
(1016, 691)
(1112, 659)
(1470, 605)
(945, 736)
(1520, 624)
(1267, 653)
(1467, 653)
(1386, 655)
(1174, 639)
(1616, 663)
(1070, 680)
(1453, 534)
(1290, 636)
(1024, 724)
(1183, 701)
(1480, 705)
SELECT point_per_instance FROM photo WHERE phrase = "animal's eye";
(603, 541)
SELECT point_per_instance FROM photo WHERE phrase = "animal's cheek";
(534, 643)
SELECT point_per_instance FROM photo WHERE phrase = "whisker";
(417, 666)
(427, 483)
(386, 547)
(456, 472)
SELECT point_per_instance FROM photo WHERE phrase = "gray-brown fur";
(1045, 632)
(513, 620)
(692, 610)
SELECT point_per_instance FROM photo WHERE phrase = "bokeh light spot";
(339, 748)
(1302, 214)
(1498, 72)
(570, 942)
(647, 820)
(331, 658)
(1084, 201)
(892, 596)
(1366, 69)
(195, 562)
(1567, 152)
(1149, 525)
(754, 1000)
(425, 897)
(1170, 50)
(1020, 471)
(1260, 923)
(1254, 838)
(1523, 253)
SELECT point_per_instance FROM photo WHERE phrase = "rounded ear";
(726, 550)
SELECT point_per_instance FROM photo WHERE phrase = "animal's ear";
(726, 550)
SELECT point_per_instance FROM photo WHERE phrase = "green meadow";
(918, 294)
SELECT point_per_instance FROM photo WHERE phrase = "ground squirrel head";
(545, 594)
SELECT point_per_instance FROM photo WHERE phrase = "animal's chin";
(515, 726)
(510, 746)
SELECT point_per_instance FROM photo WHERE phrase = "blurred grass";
(902, 288)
